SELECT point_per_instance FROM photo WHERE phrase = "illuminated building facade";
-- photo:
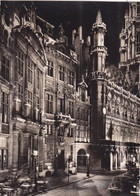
(58, 103)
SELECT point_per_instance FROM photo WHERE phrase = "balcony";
(97, 74)
(63, 118)
(5, 128)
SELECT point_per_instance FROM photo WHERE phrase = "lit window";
(50, 68)
(5, 107)
(49, 104)
(70, 78)
(5, 68)
(49, 129)
(61, 73)
(20, 63)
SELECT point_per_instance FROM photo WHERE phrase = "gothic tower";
(130, 47)
(98, 80)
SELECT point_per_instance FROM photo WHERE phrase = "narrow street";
(95, 186)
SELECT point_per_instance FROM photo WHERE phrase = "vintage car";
(127, 182)
(120, 184)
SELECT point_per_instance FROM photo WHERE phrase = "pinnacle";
(99, 17)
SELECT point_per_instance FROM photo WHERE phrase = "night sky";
(73, 14)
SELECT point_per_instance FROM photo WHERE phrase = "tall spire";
(99, 17)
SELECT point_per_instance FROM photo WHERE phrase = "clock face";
(104, 110)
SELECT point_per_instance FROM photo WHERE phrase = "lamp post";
(35, 154)
(68, 167)
(87, 165)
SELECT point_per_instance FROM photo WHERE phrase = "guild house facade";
(63, 106)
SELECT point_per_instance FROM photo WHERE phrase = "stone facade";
(59, 104)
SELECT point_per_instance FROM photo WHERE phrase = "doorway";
(61, 160)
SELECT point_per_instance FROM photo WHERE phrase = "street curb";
(61, 185)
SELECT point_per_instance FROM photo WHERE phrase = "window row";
(62, 130)
(61, 105)
(82, 114)
(61, 72)
(5, 68)
(20, 69)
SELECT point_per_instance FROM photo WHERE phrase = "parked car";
(120, 184)
(127, 182)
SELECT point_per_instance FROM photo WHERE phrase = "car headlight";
(134, 186)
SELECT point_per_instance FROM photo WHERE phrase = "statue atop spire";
(99, 17)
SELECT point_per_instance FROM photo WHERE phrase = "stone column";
(111, 161)
(116, 161)
(40, 153)
(15, 150)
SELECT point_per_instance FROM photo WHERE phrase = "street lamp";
(69, 159)
(87, 165)
(35, 154)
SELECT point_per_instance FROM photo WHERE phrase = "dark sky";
(73, 14)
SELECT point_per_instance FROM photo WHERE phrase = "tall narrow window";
(20, 91)
(50, 68)
(83, 96)
(138, 43)
(49, 129)
(61, 105)
(71, 108)
(3, 159)
(20, 62)
(30, 71)
(30, 98)
(61, 131)
(37, 103)
(38, 78)
(5, 68)
(70, 78)
(71, 152)
(70, 132)
(61, 73)
(138, 8)
(5, 107)
(78, 113)
(49, 104)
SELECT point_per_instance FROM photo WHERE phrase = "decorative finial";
(99, 17)
(61, 31)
